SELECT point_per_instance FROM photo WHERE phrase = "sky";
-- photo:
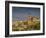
(20, 13)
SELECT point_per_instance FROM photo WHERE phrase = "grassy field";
(26, 25)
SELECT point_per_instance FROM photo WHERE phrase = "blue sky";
(19, 13)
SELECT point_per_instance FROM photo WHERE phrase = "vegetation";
(26, 25)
